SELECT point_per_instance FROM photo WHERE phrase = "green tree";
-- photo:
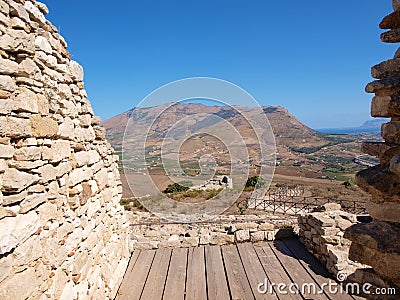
(255, 182)
(175, 188)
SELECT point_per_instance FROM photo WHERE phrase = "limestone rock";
(396, 4)
(8, 66)
(6, 151)
(389, 68)
(379, 182)
(14, 198)
(219, 239)
(42, 7)
(58, 151)
(27, 252)
(15, 181)
(391, 21)
(28, 153)
(244, 226)
(257, 236)
(20, 286)
(384, 84)
(17, 41)
(391, 132)
(27, 68)
(43, 126)
(25, 101)
(101, 178)
(384, 151)
(78, 175)
(32, 201)
(266, 226)
(6, 264)
(386, 264)
(76, 71)
(35, 12)
(386, 211)
(7, 83)
(100, 132)
(15, 230)
(385, 106)
(391, 36)
(382, 236)
(242, 236)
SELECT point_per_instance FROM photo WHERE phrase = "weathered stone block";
(43, 126)
(257, 236)
(386, 264)
(76, 71)
(7, 83)
(242, 236)
(266, 226)
(58, 151)
(13, 127)
(391, 36)
(19, 286)
(16, 181)
(17, 41)
(15, 230)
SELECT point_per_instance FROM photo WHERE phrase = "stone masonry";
(377, 243)
(322, 233)
(63, 234)
(148, 232)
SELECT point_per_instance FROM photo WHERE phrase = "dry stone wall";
(63, 234)
(322, 233)
(377, 243)
(148, 233)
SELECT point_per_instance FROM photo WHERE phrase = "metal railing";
(295, 205)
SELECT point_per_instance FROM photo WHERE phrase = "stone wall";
(322, 233)
(147, 233)
(377, 243)
(63, 234)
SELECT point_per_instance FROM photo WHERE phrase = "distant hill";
(292, 137)
(373, 125)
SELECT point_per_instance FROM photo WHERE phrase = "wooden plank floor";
(225, 272)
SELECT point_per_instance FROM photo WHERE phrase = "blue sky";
(312, 57)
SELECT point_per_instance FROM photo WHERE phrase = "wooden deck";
(224, 272)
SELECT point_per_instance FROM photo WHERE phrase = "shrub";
(255, 182)
(175, 188)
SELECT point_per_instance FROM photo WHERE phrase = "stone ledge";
(377, 235)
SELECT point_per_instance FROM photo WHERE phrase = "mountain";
(370, 126)
(293, 138)
(287, 129)
(374, 123)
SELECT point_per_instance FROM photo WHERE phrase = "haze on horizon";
(312, 57)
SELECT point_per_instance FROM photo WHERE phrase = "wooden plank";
(254, 270)
(138, 274)
(128, 275)
(217, 286)
(196, 274)
(313, 266)
(295, 270)
(155, 282)
(274, 270)
(237, 278)
(176, 278)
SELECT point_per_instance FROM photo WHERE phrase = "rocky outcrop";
(377, 244)
(63, 234)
